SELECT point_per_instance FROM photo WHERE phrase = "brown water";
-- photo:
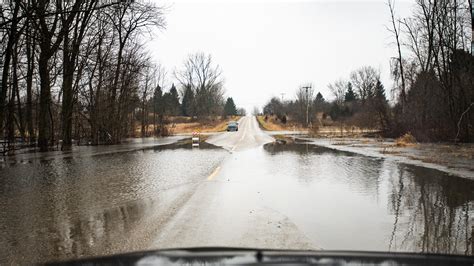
(92, 205)
(69, 207)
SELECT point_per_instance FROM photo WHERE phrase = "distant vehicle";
(232, 126)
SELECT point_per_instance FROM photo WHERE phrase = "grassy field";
(217, 124)
(321, 130)
(272, 124)
(187, 125)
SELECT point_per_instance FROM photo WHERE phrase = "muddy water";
(353, 202)
(68, 207)
(94, 205)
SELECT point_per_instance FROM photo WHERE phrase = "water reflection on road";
(76, 206)
(349, 201)
(94, 205)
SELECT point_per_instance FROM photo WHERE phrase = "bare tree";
(51, 34)
(364, 80)
(304, 100)
(205, 80)
(72, 42)
(145, 88)
(436, 37)
(472, 37)
(12, 40)
(338, 89)
(129, 20)
(398, 66)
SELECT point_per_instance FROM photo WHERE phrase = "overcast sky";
(266, 48)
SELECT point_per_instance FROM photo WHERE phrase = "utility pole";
(282, 94)
(307, 104)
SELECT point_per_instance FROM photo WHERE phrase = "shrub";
(405, 140)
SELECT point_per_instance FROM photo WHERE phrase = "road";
(241, 190)
(249, 136)
(229, 208)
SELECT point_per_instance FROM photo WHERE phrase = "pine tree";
(229, 107)
(350, 95)
(319, 98)
(174, 100)
(158, 100)
(380, 92)
(187, 105)
(381, 105)
(158, 109)
(170, 102)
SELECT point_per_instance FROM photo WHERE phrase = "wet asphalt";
(240, 189)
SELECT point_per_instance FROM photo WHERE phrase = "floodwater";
(69, 207)
(94, 205)
(365, 203)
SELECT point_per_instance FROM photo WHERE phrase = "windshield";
(303, 125)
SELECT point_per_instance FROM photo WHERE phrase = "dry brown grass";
(405, 140)
(342, 131)
(269, 124)
(210, 125)
(272, 124)
(184, 125)
(389, 149)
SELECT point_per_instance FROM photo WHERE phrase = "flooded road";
(252, 193)
(96, 204)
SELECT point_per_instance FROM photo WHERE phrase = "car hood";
(219, 255)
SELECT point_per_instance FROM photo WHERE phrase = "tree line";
(359, 100)
(70, 62)
(200, 94)
(78, 70)
(433, 75)
(434, 71)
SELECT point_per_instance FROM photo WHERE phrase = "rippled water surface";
(89, 205)
(68, 207)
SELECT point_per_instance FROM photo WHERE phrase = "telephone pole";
(307, 103)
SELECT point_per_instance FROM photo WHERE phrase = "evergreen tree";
(170, 102)
(174, 99)
(319, 98)
(380, 92)
(380, 104)
(158, 100)
(229, 107)
(187, 105)
(350, 95)
(319, 103)
(158, 109)
(166, 104)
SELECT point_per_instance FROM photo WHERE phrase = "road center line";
(243, 136)
(216, 171)
(240, 140)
